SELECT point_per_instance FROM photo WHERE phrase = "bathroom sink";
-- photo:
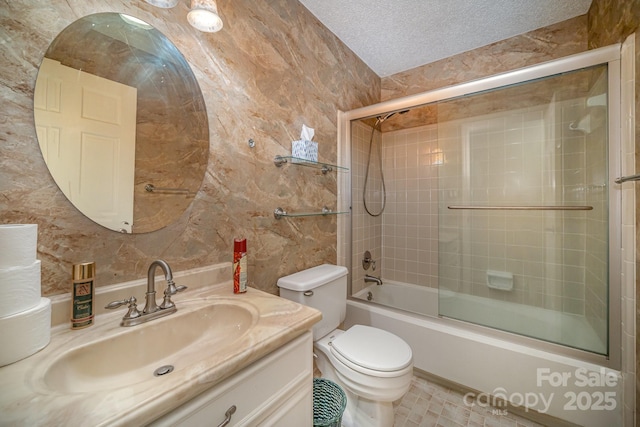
(131, 355)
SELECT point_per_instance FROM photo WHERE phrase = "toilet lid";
(373, 348)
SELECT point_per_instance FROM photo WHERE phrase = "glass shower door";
(523, 209)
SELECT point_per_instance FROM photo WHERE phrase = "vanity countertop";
(25, 398)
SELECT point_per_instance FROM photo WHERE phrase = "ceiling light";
(163, 3)
(204, 16)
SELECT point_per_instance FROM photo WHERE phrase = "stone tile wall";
(272, 68)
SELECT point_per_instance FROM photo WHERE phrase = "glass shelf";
(280, 213)
(324, 167)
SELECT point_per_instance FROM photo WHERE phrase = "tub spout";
(372, 279)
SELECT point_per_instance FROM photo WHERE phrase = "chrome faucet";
(150, 305)
(151, 309)
(372, 279)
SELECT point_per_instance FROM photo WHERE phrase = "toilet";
(373, 367)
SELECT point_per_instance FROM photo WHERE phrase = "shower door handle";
(524, 208)
(622, 179)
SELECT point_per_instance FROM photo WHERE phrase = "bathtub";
(564, 387)
(553, 326)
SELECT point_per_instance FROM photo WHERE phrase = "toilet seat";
(372, 351)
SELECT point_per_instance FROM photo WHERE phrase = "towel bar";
(152, 188)
(525, 208)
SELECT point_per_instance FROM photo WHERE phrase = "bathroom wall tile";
(271, 69)
(513, 242)
(368, 226)
(611, 21)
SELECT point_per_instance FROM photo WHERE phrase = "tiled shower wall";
(366, 230)
(506, 151)
(495, 160)
(404, 239)
(526, 157)
(410, 222)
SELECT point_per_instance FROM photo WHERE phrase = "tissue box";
(306, 150)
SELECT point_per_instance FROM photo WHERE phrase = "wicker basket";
(329, 402)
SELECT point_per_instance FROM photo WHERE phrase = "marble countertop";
(25, 399)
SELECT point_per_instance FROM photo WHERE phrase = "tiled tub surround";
(26, 400)
(404, 239)
(366, 230)
(527, 157)
(422, 164)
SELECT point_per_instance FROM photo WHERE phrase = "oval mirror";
(121, 122)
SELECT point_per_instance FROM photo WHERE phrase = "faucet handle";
(133, 307)
(367, 261)
(172, 289)
(116, 304)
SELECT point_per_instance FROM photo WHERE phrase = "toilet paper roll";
(19, 289)
(26, 333)
(18, 244)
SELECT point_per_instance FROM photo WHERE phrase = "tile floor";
(427, 404)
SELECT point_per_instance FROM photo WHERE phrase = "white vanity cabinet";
(276, 390)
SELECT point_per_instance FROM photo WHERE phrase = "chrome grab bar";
(525, 208)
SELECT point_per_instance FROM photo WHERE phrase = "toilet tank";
(324, 288)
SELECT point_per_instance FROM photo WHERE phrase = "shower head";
(381, 119)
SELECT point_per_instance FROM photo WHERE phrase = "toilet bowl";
(374, 367)
(372, 380)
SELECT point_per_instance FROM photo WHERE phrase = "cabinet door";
(280, 385)
(296, 411)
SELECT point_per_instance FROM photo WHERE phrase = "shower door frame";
(609, 55)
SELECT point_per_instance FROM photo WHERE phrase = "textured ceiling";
(397, 35)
